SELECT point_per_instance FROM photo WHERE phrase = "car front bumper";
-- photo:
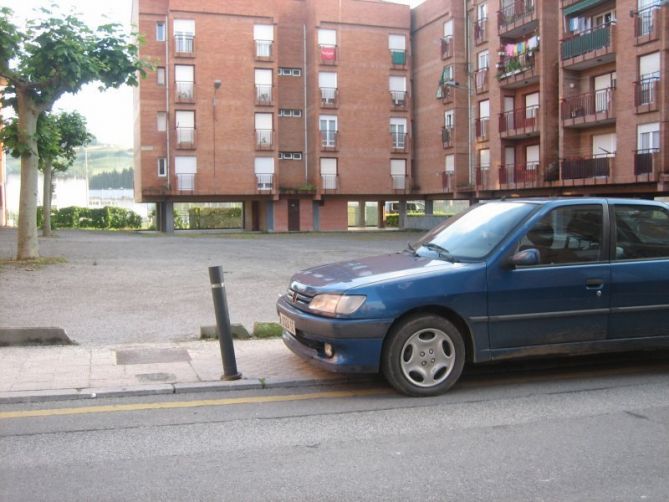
(357, 343)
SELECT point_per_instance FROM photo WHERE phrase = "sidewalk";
(29, 374)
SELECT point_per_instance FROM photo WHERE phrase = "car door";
(640, 271)
(565, 297)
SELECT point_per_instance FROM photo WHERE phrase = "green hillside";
(101, 158)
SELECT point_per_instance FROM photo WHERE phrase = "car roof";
(557, 201)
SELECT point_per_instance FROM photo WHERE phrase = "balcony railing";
(447, 181)
(328, 54)
(398, 99)
(185, 137)
(186, 182)
(264, 49)
(515, 14)
(328, 181)
(481, 80)
(447, 47)
(329, 97)
(447, 136)
(185, 91)
(646, 24)
(519, 121)
(481, 31)
(399, 142)
(264, 182)
(264, 139)
(328, 141)
(399, 181)
(398, 57)
(520, 175)
(184, 45)
(484, 178)
(482, 128)
(510, 66)
(646, 94)
(597, 166)
(263, 95)
(586, 41)
(646, 162)
(591, 106)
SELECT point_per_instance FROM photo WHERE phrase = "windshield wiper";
(441, 251)
(411, 248)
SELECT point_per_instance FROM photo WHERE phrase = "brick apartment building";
(296, 107)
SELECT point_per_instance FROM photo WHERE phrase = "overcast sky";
(109, 113)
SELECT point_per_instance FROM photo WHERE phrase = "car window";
(641, 232)
(570, 234)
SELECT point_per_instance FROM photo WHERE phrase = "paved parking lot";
(119, 287)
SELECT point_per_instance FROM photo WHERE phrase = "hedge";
(84, 217)
(214, 217)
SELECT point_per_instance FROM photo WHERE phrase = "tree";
(54, 55)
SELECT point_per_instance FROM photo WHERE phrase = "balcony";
(186, 182)
(328, 54)
(184, 45)
(647, 163)
(398, 58)
(447, 47)
(264, 50)
(481, 80)
(518, 71)
(185, 138)
(399, 142)
(591, 108)
(328, 182)
(446, 93)
(448, 181)
(264, 139)
(482, 126)
(588, 170)
(329, 97)
(519, 123)
(263, 95)
(647, 25)
(399, 181)
(484, 178)
(264, 182)
(588, 48)
(646, 95)
(520, 175)
(481, 31)
(398, 100)
(329, 141)
(514, 19)
(185, 92)
(447, 136)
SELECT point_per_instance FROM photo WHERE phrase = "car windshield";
(473, 234)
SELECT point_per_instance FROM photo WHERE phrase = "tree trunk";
(27, 243)
(46, 204)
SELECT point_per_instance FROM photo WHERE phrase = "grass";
(34, 263)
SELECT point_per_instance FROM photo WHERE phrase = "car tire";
(423, 355)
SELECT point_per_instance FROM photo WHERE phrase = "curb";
(37, 396)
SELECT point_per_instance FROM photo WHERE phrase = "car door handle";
(594, 283)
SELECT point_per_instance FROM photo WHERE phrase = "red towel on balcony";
(328, 53)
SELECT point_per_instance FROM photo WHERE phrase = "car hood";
(345, 275)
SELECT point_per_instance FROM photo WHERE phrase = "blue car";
(504, 279)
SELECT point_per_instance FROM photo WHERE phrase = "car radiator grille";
(297, 298)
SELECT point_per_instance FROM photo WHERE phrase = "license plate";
(287, 323)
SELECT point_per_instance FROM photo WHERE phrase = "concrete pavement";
(30, 374)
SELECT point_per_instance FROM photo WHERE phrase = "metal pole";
(223, 324)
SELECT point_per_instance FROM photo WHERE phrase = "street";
(576, 429)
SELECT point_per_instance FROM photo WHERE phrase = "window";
(448, 28)
(604, 145)
(604, 19)
(185, 169)
(327, 41)
(161, 118)
(482, 11)
(264, 169)
(184, 33)
(162, 167)
(398, 170)
(160, 75)
(603, 85)
(532, 157)
(649, 66)
(484, 159)
(398, 90)
(263, 126)
(329, 174)
(290, 72)
(531, 106)
(263, 80)
(263, 34)
(449, 119)
(398, 133)
(290, 112)
(328, 130)
(571, 234)
(641, 232)
(184, 83)
(290, 155)
(648, 137)
(483, 60)
(450, 164)
(327, 37)
(327, 81)
(397, 46)
(185, 128)
(160, 31)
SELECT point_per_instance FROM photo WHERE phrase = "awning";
(580, 6)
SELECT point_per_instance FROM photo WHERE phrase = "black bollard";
(223, 324)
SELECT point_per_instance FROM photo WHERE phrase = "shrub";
(100, 218)
(215, 217)
(392, 220)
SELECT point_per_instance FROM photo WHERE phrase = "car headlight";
(336, 304)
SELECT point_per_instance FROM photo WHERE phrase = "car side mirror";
(525, 258)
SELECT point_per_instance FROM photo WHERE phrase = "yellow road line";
(112, 408)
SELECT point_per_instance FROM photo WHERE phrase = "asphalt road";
(125, 287)
(598, 430)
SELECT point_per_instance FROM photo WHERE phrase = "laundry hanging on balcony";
(519, 48)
